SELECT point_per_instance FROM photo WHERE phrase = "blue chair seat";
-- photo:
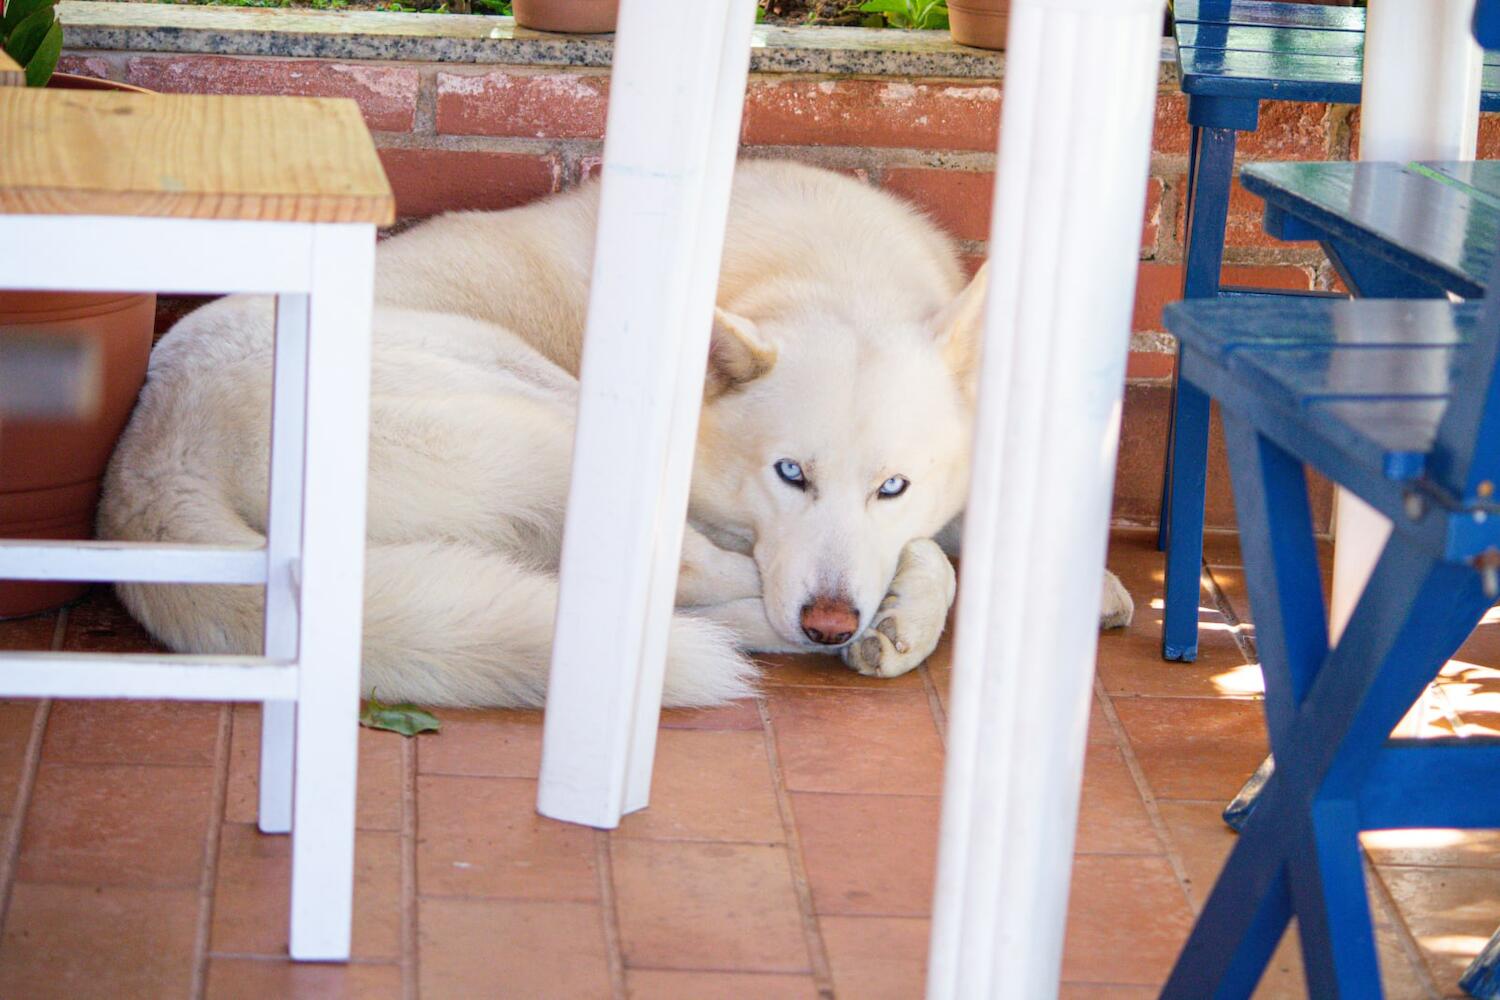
(1356, 388)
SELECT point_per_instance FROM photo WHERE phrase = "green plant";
(31, 34)
(405, 718)
(909, 13)
(493, 6)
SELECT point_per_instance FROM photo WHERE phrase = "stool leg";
(283, 545)
(331, 589)
(676, 95)
(1071, 181)
(1187, 460)
(1482, 980)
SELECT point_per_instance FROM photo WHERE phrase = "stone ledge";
(461, 38)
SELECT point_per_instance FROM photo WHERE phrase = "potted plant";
(980, 23)
(575, 16)
(50, 471)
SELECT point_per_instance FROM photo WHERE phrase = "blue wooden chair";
(1390, 399)
(1395, 400)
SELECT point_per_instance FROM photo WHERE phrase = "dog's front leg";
(910, 621)
(711, 575)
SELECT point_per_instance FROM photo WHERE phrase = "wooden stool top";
(189, 156)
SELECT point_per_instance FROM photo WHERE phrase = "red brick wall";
(482, 137)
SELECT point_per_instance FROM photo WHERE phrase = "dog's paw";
(1118, 608)
(906, 628)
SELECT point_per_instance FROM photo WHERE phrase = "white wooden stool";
(127, 192)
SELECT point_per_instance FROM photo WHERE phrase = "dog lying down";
(834, 446)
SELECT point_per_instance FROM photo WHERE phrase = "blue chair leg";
(1239, 809)
(1482, 981)
(1333, 906)
(1164, 509)
(1187, 448)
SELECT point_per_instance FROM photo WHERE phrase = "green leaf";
(44, 60)
(27, 38)
(405, 718)
(17, 11)
(883, 7)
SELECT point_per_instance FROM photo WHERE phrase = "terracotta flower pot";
(573, 16)
(980, 23)
(50, 471)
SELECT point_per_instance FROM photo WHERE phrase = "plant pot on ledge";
(50, 471)
(583, 17)
(980, 23)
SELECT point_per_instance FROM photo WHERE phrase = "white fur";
(842, 343)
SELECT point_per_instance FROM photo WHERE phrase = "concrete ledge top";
(468, 38)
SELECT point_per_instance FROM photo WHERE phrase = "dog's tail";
(445, 623)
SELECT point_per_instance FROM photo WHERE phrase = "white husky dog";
(834, 445)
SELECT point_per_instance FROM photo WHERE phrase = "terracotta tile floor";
(788, 851)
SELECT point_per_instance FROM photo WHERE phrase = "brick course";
(386, 94)
(457, 137)
(529, 105)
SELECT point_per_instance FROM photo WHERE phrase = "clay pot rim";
(75, 81)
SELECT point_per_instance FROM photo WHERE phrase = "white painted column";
(1080, 87)
(332, 589)
(1420, 102)
(676, 93)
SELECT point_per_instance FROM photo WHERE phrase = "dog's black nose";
(829, 621)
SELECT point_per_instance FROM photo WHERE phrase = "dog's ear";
(959, 327)
(737, 354)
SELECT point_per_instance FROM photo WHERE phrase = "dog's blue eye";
(791, 473)
(893, 487)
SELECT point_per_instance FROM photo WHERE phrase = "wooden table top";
(1259, 49)
(282, 159)
(1438, 221)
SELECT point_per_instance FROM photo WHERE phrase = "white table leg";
(283, 545)
(676, 93)
(1080, 89)
(331, 589)
(1421, 102)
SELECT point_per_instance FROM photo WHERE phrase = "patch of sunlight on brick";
(1243, 679)
(1463, 945)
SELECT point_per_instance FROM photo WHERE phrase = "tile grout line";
(208, 875)
(1143, 789)
(409, 951)
(817, 950)
(1226, 608)
(939, 716)
(30, 762)
(1404, 937)
(609, 913)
